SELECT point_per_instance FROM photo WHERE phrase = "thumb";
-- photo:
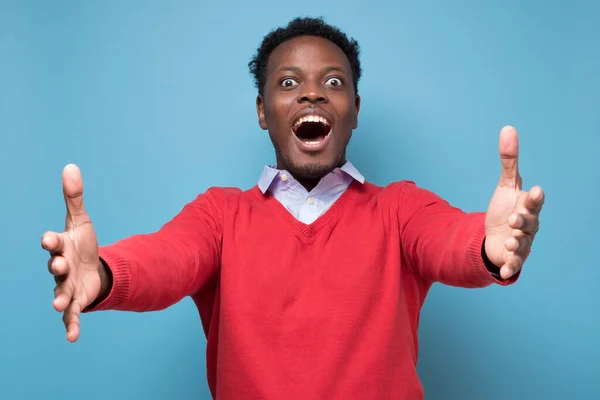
(509, 156)
(73, 192)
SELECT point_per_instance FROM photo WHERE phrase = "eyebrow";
(326, 69)
(334, 68)
(289, 68)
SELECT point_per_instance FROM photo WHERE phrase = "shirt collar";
(269, 173)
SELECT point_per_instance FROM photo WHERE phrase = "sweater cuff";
(121, 285)
(478, 258)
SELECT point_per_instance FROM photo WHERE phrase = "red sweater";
(291, 311)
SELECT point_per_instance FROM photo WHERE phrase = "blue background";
(154, 102)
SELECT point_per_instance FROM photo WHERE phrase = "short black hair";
(303, 26)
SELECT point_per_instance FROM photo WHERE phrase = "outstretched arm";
(141, 273)
(444, 244)
(153, 271)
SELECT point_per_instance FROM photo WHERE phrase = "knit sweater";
(327, 310)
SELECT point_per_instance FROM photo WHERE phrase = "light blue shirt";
(303, 205)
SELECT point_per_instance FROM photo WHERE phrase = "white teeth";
(312, 118)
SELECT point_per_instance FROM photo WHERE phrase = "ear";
(260, 111)
(356, 110)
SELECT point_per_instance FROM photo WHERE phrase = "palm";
(512, 216)
(74, 256)
(497, 229)
(82, 254)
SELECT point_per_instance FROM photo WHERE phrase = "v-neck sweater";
(326, 310)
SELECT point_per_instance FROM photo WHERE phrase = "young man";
(309, 285)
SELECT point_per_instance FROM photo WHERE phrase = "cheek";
(277, 109)
(347, 112)
(276, 117)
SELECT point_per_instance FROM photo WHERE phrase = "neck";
(308, 183)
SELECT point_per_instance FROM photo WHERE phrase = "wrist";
(491, 267)
(106, 281)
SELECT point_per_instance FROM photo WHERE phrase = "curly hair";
(303, 26)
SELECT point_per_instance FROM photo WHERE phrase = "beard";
(307, 170)
(314, 170)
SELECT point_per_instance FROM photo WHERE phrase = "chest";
(282, 266)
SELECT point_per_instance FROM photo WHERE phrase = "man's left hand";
(512, 218)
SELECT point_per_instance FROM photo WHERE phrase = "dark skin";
(308, 72)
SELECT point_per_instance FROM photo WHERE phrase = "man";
(310, 284)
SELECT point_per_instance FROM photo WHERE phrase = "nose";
(312, 92)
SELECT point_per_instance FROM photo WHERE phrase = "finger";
(71, 321)
(535, 200)
(73, 193)
(528, 223)
(53, 242)
(63, 294)
(60, 279)
(509, 156)
(512, 266)
(518, 243)
(58, 266)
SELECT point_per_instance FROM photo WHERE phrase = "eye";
(334, 82)
(288, 82)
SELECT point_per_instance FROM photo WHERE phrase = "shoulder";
(392, 191)
(222, 197)
(219, 194)
(408, 190)
(405, 196)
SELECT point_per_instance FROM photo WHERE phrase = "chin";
(311, 169)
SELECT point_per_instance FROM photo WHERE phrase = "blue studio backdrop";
(154, 102)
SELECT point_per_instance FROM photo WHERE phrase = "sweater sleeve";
(156, 270)
(442, 243)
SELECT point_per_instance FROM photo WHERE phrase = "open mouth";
(312, 130)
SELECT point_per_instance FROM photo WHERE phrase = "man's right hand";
(80, 276)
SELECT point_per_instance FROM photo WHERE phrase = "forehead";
(307, 52)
